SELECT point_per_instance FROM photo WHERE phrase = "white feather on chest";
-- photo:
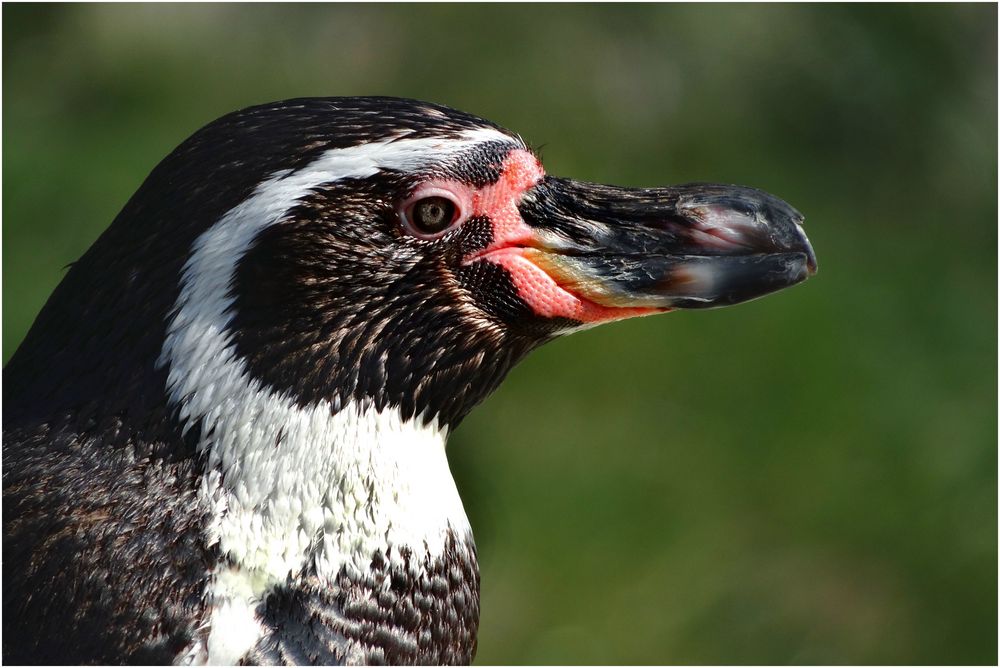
(329, 490)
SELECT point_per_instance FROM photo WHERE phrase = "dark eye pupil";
(433, 214)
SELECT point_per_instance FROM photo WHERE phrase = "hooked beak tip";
(812, 267)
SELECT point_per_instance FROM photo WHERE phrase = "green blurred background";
(811, 478)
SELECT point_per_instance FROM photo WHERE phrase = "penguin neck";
(293, 485)
(334, 500)
(337, 507)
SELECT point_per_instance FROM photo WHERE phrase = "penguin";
(224, 434)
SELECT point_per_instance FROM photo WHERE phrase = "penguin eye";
(434, 208)
(432, 215)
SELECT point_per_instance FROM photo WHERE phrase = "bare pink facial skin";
(514, 242)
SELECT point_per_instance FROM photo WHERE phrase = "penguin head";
(387, 251)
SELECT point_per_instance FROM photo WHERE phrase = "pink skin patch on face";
(550, 300)
(511, 235)
(498, 201)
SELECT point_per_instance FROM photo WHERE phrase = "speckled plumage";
(419, 606)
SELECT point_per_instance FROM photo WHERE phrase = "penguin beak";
(687, 246)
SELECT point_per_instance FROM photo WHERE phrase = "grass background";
(810, 478)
